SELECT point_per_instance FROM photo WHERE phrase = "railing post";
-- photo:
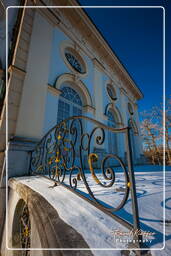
(136, 223)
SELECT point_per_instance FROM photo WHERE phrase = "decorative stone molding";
(105, 118)
(111, 92)
(52, 15)
(77, 25)
(100, 46)
(98, 65)
(109, 105)
(123, 91)
(53, 90)
(72, 47)
(78, 85)
(116, 111)
(89, 109)
(127, 94)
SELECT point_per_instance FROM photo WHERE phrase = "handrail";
(88, 119)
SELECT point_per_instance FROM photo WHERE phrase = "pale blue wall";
(50, 112)
(88, 80)
(105, 96)
(57, 65)
(106, 99)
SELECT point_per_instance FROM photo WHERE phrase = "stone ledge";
(92, 223)
(53, 231)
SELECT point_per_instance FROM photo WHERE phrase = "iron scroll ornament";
(63, 151)
(25, 231)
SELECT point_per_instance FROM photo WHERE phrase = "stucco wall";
(32, 106)
(46, 63)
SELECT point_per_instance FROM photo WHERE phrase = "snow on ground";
(95, 226)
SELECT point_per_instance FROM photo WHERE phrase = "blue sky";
(136, 36)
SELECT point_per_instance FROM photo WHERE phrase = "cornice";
(98, 65)
(124, 92)
(88, 108)
(52, 14)
(90, 37)
(104, 50)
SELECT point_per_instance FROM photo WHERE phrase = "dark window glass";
(71, 95)
(74, 62)
(130, 109)
(111, 92)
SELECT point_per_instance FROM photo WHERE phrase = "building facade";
(60, 66)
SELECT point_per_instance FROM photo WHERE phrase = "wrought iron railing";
(68, 155)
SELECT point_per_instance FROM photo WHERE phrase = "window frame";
(70, 103)
(111, 92)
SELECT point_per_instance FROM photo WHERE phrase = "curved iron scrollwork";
(25, 230)
(66, 154)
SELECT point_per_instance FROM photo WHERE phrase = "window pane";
(63, 111)
(71, 95)
(112, 137)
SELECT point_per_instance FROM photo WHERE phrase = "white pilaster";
(139, 138)
(98, 92)
(32, 106)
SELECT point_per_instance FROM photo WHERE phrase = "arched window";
(112, 137)
(70, 103)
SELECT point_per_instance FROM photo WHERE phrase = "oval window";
(130, 109)
(75, 60)
(111, 92)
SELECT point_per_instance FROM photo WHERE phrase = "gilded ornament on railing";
(66, 153)
(25, 230)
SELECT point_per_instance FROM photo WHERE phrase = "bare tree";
(156, 132)
(151, 136)
(164, 120)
